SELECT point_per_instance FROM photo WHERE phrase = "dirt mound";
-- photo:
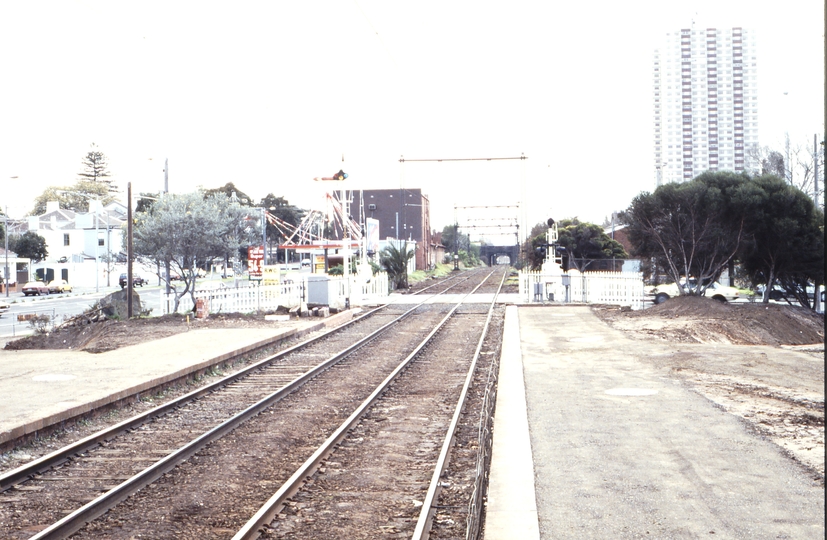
(697, 319)
(108, 335)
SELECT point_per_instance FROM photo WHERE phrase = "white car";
(714, 290)
(724, 293)
(662, 293)
(4, 307)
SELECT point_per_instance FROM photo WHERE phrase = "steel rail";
(426, 514)
(266, 514)
(422, 290)
(74, 521)
(60, 456)
(43, 464)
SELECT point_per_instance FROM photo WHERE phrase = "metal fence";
(20, 323)
(476, 506)
(619, 288)
(250, 296)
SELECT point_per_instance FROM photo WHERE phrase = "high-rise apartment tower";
(706, 103)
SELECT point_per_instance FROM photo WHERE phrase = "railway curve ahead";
(208, 463)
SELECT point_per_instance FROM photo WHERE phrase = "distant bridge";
(491, 254)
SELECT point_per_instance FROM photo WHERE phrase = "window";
(65, 239)
(100, 242)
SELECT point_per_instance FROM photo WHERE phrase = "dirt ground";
(741, 357)
(727, 352)
(113, 334)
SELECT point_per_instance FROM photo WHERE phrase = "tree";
(29, 245)
(145, 201)
(183, 230)
(229, 190)
(395, 262)
(773, 164)
(583, 242)
(454, 241)
(793, 161)
(693, 228)
(74, 197)
(786, 238)
(95, 168)
(586, 242)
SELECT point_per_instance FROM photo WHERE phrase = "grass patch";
(439, 271)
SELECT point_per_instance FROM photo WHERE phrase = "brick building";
(402, 213)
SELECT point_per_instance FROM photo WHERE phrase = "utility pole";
(6, 236)
(108, 252)
(815, 168)
(264, 233)
(97, 247)
(129, 251)
(167, 266)
(816, 288)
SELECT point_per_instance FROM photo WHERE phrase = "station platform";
(43, 388)
(592, 442)
(589, 442)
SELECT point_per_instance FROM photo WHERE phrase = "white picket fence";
(363, 290)
(618, 288)
(250, 296)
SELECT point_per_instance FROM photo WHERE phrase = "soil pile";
(107, 335)
(702, 320)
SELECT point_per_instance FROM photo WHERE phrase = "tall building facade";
(403, 214)
(706, 103)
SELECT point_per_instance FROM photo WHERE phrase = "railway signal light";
(564, 258)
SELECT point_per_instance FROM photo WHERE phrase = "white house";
(81, 245)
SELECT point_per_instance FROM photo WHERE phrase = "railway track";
(266, 418)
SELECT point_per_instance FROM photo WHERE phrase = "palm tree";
(395, 261)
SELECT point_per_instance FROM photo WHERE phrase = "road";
(60, 307)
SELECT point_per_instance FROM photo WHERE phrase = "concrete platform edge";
(512, 506)
(146, 386)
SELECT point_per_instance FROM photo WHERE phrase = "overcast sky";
(269, 95)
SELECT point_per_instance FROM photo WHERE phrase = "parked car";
(779, 293)
(59, 286)
(4, 307)
(714, 290)
(662, 293)
(35, 288)
(137, 280)
(725, 293)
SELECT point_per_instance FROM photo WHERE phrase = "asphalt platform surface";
(620, 450)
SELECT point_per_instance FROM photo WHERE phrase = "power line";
(403, 160)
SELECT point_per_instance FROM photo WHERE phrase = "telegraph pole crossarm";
(403, 160)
